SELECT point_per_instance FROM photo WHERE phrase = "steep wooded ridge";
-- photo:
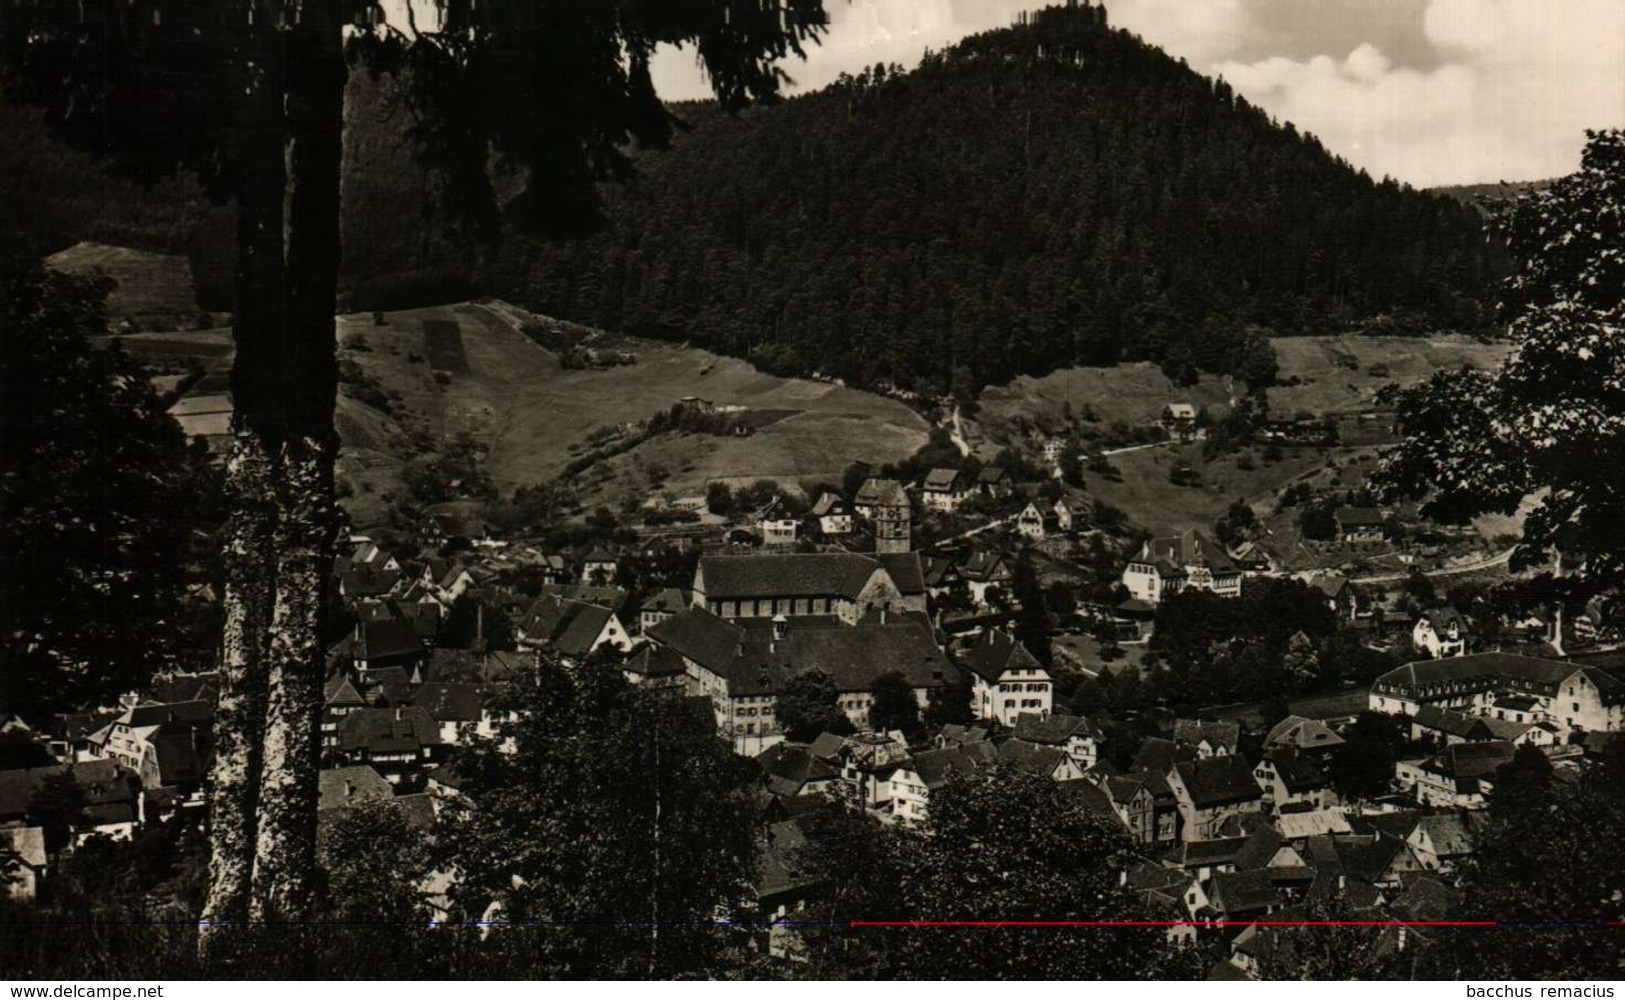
(1057, 191)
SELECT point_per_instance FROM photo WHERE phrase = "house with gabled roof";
(786, 876)
(1210, 791)
(1341, 595)
(843, 585)
(1036, 522)
(1175, 563)
(945, 489)
(1179, 421)
(129, 737)
(792, 769)
(1006, 679)
(662, 605)
(1441, 632)
(1290, 778)
(1302, 734)
(1160, 755)
(1449, 726)
(1460, 777)
(654, 666)
(395, 741)
(598, 567)
(1079, 738)
(572, 629)
(1360, 525)
(910, 781)
(1440, 841)
(387, 642)
(1051, 762)
(1569, 694)
(1073, 513)
(458, 708)
(1143, 802)
(982, 571)
(111, 797)
(741, 667)
(833, 514)
(342, 787)
(994, 482)
(367, 583)
(340, 697)
(1378, 859)
(1211, 738)
(22, 860)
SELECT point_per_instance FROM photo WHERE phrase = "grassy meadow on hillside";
(427, 375)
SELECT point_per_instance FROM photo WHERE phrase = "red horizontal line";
(1169, 923)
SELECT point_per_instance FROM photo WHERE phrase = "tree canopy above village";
(1550, 425)
(100, 495)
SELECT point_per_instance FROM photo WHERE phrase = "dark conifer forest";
(1054, 192)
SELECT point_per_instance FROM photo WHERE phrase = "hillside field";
(1333, 375)
(468, 368)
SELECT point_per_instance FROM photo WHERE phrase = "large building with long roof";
(1570, 694)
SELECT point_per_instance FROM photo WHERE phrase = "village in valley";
(1307, 702)
(519, 491)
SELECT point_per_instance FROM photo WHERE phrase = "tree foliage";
(100, 497)
(894, 707)
(1548, 863)
(1549, 422)
(1003, 845)
(617, 814)
(808, 704)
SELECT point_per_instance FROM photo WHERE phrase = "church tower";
(894, 522)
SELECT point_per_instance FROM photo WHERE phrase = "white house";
(1030, 523)
(1188, 561)
(1570, 695)
(1441, 632)
(945, 489)
(1179, 420)
(1077, 737)
(834, 515)
(569, 627)
(1006, 679)
(982, 572)
(780, 531)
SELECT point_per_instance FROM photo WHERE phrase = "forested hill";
(1053, 192)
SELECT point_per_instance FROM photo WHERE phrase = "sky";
(1429, 92)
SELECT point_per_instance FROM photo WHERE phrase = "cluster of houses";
(139, 762)
(1230, 827)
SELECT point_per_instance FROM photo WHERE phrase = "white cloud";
(1520, 83)
(1199, 31)
(1427, 91)
(861, 33)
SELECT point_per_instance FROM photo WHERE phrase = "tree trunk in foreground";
(251, 475)
(285, 842)
(281, 535)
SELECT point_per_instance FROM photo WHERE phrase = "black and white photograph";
(808, 490)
